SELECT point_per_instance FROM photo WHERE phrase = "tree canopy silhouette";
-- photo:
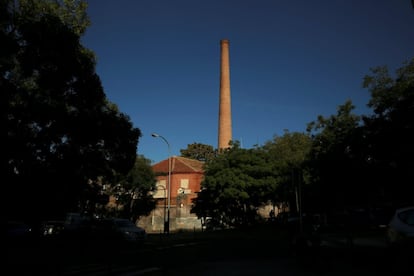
(62, 132)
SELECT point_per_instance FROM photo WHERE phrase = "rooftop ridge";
(189, 162)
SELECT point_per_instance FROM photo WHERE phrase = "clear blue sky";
(290, 61)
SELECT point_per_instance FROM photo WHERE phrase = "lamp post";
(167, 221)
(165, 202)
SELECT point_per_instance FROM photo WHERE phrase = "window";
(184, 183)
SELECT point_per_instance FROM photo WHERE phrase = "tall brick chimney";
(225, 131)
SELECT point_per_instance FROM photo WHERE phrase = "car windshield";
(407, 217)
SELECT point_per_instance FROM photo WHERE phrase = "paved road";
(366, 257)
(244, 255)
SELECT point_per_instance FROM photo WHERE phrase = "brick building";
(186, 177)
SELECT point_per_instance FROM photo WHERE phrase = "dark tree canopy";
(288, 154)
(62, 131)
(199, 152)
(236, 183)
(135, 190)
(389, 132)
(331, 167)
(344, 161)
(368, 162)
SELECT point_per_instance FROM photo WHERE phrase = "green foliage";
(289, 150)
(72, 13)
(388, 93)
(64, 137)
(367, 162)
(389, 132)
(344, 160)
(62, 132)
(330, 163)
(198, 151)
(134, 191)
(239, 181)
(289, 154)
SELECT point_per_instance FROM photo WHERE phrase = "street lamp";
(165, 202)
(167, 221)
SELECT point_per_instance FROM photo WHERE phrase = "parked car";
(76, 222)
(400, 230)
(17, 229)
(119, 229)
(52, 228)
(77, 226)
(17, 233)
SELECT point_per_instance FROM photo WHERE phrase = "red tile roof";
(179, 165)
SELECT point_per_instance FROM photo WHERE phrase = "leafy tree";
(344, 160)
(134, 192)
(389, 133)
(332, 166)
(288, 154)
(199, 152)
(235, 184)
(62, 132)
(72, 13)
(366, 161)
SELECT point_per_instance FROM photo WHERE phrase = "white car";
(401, 227)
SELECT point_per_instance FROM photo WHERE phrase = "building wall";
(184, 188)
